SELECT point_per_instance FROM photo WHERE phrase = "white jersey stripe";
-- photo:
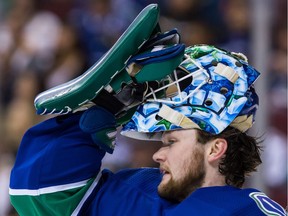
(87, 194)
(47, 190)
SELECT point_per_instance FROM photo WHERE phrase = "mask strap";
(226, 72)
(176, 118)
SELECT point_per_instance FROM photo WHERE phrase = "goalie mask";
(210, 90)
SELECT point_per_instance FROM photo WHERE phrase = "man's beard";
(178, 190)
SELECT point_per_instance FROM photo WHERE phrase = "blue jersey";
(56, 171)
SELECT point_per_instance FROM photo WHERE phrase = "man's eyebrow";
(164, 136)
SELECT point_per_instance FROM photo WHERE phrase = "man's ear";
(217, 149)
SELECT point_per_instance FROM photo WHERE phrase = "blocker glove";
(146, 70)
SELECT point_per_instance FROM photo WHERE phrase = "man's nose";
(159, 155)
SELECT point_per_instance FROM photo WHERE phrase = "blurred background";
(47, 42)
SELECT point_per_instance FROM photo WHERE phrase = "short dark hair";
(242, 155)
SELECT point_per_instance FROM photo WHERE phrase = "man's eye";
(170, 142)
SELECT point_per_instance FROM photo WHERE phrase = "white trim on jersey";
(87, 194)
(47, 190)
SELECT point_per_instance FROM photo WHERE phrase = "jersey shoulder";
(146, 179)
(267, 205)
(236, 201)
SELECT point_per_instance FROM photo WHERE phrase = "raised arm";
(57, 163)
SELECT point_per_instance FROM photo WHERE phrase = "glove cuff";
(101, 125)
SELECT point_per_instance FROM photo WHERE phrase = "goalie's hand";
(146, 70)
(101, 125)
